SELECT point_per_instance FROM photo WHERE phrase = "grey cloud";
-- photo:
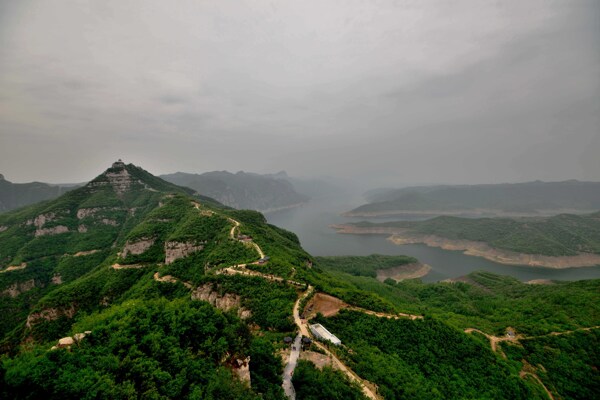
(381, 91)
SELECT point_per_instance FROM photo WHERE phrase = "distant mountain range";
(15, 195)
(242, 190)
(530, 198)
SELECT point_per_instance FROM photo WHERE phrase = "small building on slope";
(323, 334)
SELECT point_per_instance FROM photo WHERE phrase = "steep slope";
(242, 190)
(15, 195)
(529, 198)
(82, 263)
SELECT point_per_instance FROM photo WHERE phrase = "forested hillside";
(560, 235)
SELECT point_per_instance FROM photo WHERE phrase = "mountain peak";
(124, 178)
(119, 164)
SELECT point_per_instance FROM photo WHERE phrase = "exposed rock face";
(49, 314)
(87, 212)
(17, 288)
(107, 221)
(136, 248)
(66, 342)
(120, 181)
(177, 250)
(3, 228)
(57, 279)
(225, 302)
(51, 231)
(82, 229)
(242, 370)
(41, 219)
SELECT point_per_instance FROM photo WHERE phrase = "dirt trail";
(170, 279)
(329, 306)
(522, 375)
(303, 328)
(127, 266)
(494, 340)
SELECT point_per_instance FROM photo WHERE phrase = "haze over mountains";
(242, 190)
(529, 198)
(14, 195)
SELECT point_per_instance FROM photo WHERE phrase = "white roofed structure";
(321, 333)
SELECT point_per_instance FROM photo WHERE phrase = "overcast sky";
(388, 92)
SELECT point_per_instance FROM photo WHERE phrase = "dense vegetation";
(149, 339)
(312, 384)
(69, 265)
(153, 349)
(481, 300)
(363, 266)
(423, 359)
(566, 364)
(241, 190)
(527, 197)
(561, 235)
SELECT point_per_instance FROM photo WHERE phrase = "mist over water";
(311, 222)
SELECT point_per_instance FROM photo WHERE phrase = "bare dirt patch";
(324, 304)
(320, 360)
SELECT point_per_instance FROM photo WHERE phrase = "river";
(311, 223)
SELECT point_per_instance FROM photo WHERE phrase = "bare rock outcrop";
(242, 370)
(17, 288)
(55, 230)
(3, 228)
(225, 302)
(42, 219)
(87, 212)
(120, 180)
(176, 250)
(49, 314)
(138, 247)
(69, 341)
(57, 279)
(82, 229)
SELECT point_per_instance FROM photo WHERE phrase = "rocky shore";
(401, 236)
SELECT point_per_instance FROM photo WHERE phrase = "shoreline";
(473, 213)
(400, 237)
(282, 208)
(402, 272)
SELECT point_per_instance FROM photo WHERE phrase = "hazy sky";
(384, 91)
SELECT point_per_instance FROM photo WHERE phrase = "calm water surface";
(311, 223)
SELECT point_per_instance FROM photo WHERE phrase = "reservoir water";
(311, 223)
